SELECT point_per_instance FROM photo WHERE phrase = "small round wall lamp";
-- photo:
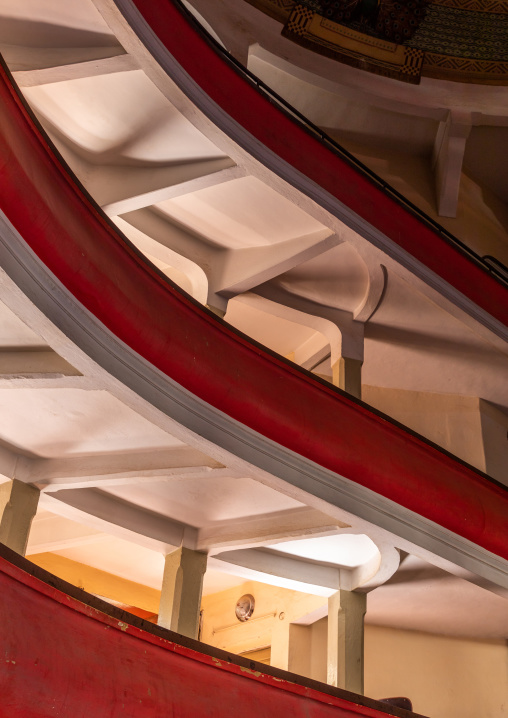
(244, 607)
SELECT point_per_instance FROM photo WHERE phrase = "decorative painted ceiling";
(406, 39)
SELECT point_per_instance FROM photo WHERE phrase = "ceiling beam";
(24, 58)
(76, 70)
(47, 381)
(260, 265)
(34, 363)
(268, 562)
(260, 530)
(135, 519)
(50, 532)
(136, 188)
(116, 469)
(142, 476)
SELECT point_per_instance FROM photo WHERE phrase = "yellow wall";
(99, 582)
(444, 677)
(274, 611)
(451, 421)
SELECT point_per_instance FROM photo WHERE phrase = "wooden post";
(347, 375)
(346, 610)
(18, 506)
(182, 585)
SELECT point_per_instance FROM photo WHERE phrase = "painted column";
(346, 610)
(182, 586)
(347, 375)
(18, 506)
(280, 643)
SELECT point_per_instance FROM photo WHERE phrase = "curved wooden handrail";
(71, 237)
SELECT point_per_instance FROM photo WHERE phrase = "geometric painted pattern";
(463, 33)
(405, 64)
(465, 69)
(278, 9)
(460, 40)
(413, 62)
(494, 6)
(299, 20)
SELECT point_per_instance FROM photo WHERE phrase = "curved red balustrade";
(65, 653)
(73, 239)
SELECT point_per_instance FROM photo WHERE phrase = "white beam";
(34, 363)
(447, 159)
(113, 510)
(258, 265)
(143, 476)
(76, 70)
(50, 532)
(24, 58)
(267, 561)
(78, 472)
(262, 530)
(140, 187)
(47, 381)
(317, 358)
(164, 257)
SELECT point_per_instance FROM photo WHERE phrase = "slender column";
(346, 610)
(279, 656)
(18, 506)
(182, 585)
(347, 375)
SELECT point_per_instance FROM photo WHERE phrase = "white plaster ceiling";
(63, 422)
(199, 502)
(423, 598)
(344, 550)
(49, 23)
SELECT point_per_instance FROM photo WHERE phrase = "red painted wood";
(62, 658)
(265, 121)
(209, 359)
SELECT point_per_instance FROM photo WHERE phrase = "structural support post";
(347, 375)
(279, 657)
(447, 160)
(18, 506)
(346, 610)
(182, 585)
